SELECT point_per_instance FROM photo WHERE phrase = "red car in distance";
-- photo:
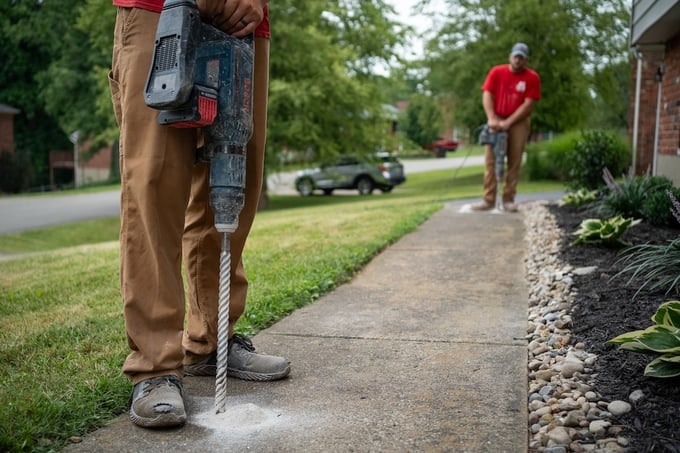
(441, 147)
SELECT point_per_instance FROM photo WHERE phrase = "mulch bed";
(606, 307)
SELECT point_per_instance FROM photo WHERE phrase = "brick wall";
(669, 113)
(6, 132)
(669, 137)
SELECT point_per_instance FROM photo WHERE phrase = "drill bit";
(223, 326)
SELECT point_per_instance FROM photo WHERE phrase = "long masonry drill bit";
(223, 326)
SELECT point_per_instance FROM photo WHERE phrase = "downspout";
(636, 114)
(659, 80)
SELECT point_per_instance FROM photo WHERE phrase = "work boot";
(242, 363)
(157, 403)
(509, 206)
(481, 206)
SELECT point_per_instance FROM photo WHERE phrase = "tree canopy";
(573, 45)
(334, 66)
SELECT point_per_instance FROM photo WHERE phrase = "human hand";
(238, 18)
(494, 124)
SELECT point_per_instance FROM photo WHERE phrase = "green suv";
(380, 171)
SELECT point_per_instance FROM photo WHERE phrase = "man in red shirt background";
(508, 97)
(166, 219)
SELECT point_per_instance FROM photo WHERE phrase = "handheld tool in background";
(201, 77)
(499, 144)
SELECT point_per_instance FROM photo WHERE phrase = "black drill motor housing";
(201, 77)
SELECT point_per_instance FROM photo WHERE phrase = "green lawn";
(62, 339)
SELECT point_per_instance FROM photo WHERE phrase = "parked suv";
(379, 171)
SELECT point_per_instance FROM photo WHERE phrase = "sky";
(418, 21)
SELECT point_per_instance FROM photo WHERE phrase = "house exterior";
(655, 103)
(7, 127)
(95, 168)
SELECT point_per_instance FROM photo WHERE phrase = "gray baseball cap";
(520, 49)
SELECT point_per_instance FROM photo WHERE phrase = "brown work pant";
(518, 135)
(165, 214)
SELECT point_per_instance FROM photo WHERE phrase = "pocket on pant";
(115, 97)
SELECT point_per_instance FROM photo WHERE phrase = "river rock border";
(565, 411)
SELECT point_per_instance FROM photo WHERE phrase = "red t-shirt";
(262, 29)
(510, 89)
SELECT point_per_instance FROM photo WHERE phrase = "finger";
(245, 30)
(209, 9)
(243, 22)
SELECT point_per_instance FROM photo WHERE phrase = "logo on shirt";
(521, 87)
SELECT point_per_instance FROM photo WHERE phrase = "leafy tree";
(323, 95)
(422, 121)
(75, 85)
(32, 32)
(569, 39)
(612, 87)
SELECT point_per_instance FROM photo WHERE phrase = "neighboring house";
(95, 168)
(7, 127)
(655, 104)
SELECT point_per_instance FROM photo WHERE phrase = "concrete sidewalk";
(423, 350)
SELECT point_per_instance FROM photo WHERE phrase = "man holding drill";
(166, 218)
(508, 97)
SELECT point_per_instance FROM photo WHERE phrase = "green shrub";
(629, 197)
(548, 159)
(606, 232)
(662, 339)
(657, 265)
(592, 153)
(658, 207)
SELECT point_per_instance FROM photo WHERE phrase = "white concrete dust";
(248, 424)
(240, 418)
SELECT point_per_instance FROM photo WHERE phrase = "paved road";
(26, 213)
(283, 183)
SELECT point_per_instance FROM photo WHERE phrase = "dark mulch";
(606, 307)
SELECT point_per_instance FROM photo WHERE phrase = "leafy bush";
(607, 232)
(662, 338)
(642, 197)
(592, 153)
(658, 207)
(657, 265)
(548, 159)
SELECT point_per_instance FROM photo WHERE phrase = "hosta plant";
(662, 339)
(607, 232)
(578, 197)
